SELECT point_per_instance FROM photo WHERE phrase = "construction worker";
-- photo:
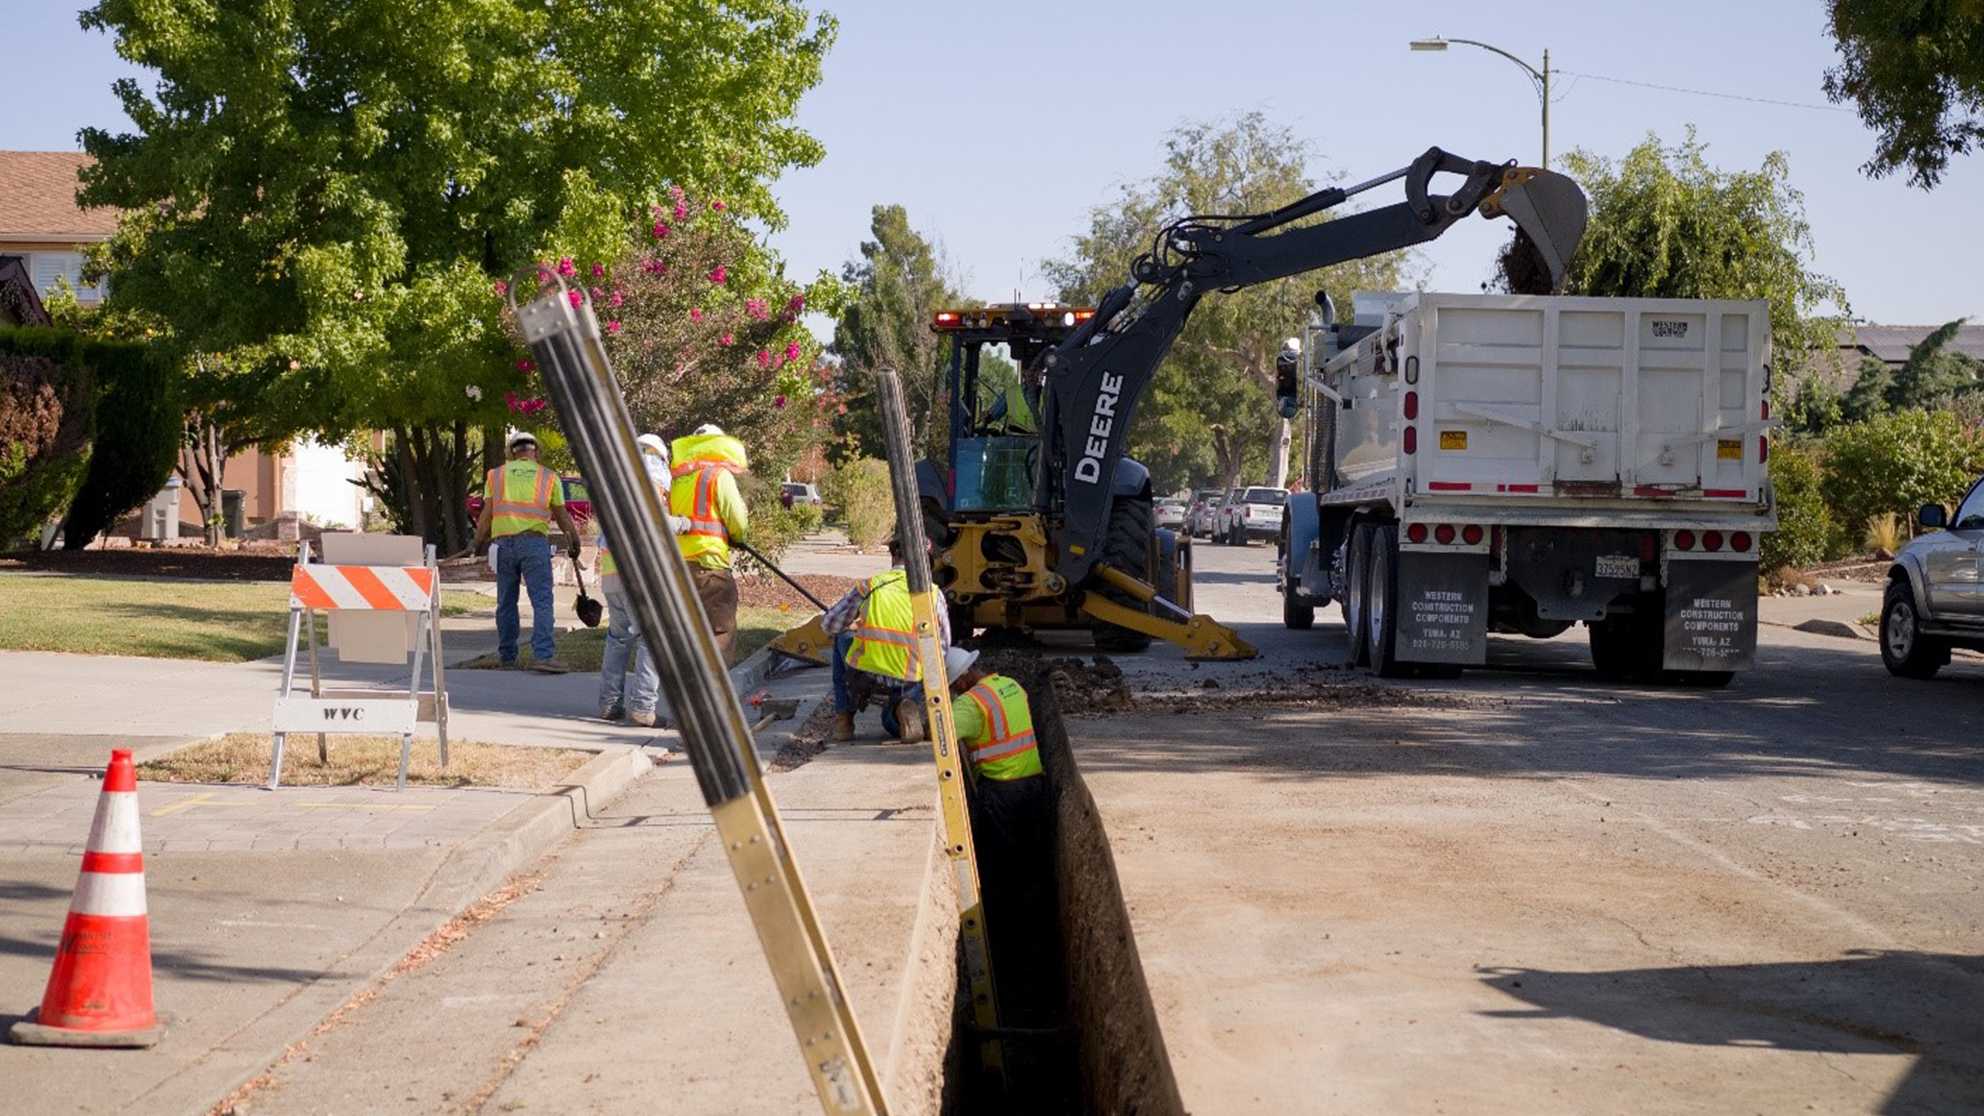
(873, 635)
(1012, 826)
(520, 501)
(629, 684)
(705, 492)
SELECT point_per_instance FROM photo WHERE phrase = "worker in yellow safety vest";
(629, 682)
(874, 633)
(519, 503)
(707, 464)
(1012, 827)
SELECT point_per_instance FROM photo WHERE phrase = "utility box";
(234, 511)
(159, 519)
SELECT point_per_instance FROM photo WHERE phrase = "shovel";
(587, 608)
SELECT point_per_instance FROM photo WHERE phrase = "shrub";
(859, 487)
(45, 428)
(1895, 463)
(773, 526)
(138, 429)
(809, 516)
(1806, 534)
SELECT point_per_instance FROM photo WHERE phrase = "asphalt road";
(1531, 891)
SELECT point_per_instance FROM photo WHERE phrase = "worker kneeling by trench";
(1079, 1032)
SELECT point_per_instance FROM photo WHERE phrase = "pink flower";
(654, 211)
(840, 409)
(695, 314)
(717, 205)
(598, 294)
(660, 230)
(510, 398)
(578, 298)
(764, 359)
(565, 266)
(755, 307)
(612, 327)
(598, 270)
(681, 212)
(502, 287)
(777, 402)
(675, 192)
(726, 339)
(543, 276)
(525, 366)
(791, 351)
(719, 275)
(796, 304)
(616, 299)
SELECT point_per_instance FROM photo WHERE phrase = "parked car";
(1171, 512)
(1935, 596)
(1216, 527)
(1199, 517)
(578, 503)
(796, 492)
(1252, 513)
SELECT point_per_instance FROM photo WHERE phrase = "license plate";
(1729, 449)
(1618, 565)
(1453, 439)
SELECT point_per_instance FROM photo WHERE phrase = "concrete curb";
(465, 875)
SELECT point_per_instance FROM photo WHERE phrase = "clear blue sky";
(999, 125)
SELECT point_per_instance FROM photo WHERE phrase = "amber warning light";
(1027, 313)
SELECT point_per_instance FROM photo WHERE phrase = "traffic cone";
(100, 991)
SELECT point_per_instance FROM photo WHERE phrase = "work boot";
(642, 717)
(910, 723)
(843, 726)
(611, 712)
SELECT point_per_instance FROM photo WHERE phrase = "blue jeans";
(844, 697)
(525, 557)
(628, 671)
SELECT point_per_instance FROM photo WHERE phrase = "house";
(1890, 344)
(43, 234)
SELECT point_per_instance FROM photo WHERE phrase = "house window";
(44, 268)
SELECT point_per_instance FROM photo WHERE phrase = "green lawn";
(221, 621)
(583, 648)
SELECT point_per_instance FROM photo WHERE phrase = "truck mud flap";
(1442, 608)
(1711, 621)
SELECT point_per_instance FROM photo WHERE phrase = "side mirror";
(1933, 515)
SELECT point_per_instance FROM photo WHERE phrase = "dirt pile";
(766, 591)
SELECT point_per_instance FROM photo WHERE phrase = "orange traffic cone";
(100, 992)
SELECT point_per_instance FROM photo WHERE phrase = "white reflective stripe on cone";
(115, 829)
(110, 894)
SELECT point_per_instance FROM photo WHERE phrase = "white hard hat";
(957, 660)
(523, 438)
(653, 444)
(709, 428)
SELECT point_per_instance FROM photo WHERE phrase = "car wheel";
(1906, 652)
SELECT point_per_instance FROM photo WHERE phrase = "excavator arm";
(1095, 377)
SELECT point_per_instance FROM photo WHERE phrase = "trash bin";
(161, 513)
(234, 511)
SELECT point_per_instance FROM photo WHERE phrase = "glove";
(679, 524)
(573, 550)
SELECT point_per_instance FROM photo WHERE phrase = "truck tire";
(1356, 594)
(1382, 607)
(1620, 649)
(1905, 651)
(1126, 547)
(1294, 614)
(1166, 579)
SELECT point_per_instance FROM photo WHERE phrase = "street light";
(1540, 77)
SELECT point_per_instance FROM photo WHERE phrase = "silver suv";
(1935, 595)
(1252, 513)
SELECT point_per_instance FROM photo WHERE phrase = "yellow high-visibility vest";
(1002, 745)
(524, 493)
(885, 637)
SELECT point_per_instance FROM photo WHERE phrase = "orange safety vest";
(1007, 749)
(522, 491)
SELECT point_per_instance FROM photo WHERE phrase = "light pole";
(1540, 77)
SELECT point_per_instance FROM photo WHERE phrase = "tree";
(1915, 70)
(330, 192)
(1666, 224)
(1894, 463)
(1209, 412)
(897, 284)
(1932, 377)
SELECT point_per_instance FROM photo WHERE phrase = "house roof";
(1890, 343)
(38, 199)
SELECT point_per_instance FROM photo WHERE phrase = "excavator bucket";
(1549, 208)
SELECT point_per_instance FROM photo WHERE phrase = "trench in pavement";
(1079, 1031)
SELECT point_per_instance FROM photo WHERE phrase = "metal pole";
(564, 336)
(1546, 110)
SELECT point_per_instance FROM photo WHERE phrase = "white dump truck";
(1520, 464)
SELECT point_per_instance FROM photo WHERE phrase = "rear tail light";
(1416, 532)
(1410, 439)
(1711, 540)
(1649, 547)
(1763, 448)
(1684, 539)
(1766, 411)
(1471, 535)
(1443, 534)
(1411, 406)
(1740, 542)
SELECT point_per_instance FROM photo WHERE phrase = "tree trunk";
(416, 500)
(455, 499)
(1278, 459)
(203, 466)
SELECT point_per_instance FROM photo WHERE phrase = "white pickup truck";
(1512, 463)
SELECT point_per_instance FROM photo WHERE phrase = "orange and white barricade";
(318, 587)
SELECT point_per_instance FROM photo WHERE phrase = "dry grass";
(1885, 532)
(243, 757)
(583, 649)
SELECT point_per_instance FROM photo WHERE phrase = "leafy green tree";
(1209, 412)
(336, 188)
(1915, 69)
(1667, 224)
(896, 286)
(1807, 533)
(1895, 463)
(1933, 377)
